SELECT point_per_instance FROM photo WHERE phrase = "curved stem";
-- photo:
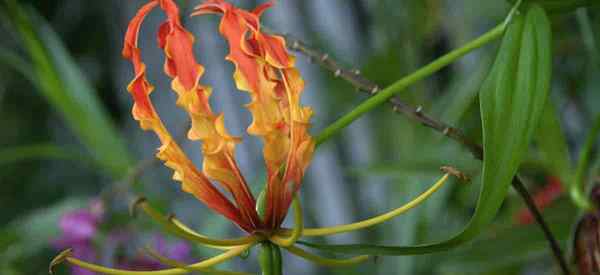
(174, 263)
(325, 261)
(312, 232)
(403, 83)
(173, 271)
(189, 234)
(177, 223)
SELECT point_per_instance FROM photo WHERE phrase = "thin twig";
(354, 77)
(555, 247)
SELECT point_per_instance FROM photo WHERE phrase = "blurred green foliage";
(64, 129)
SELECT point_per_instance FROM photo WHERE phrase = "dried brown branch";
(356, 79)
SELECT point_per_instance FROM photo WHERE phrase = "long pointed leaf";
(512, 100)
(59, 80)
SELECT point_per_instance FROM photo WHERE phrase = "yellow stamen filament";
(198, 238)
(311, 232)
(298, 227)
(176, 222)
(325, 261)
(173, 271)
(174, 263)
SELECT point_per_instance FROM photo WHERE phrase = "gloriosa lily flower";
(265, 70)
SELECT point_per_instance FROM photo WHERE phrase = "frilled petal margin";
(193, 181)
(265, 70)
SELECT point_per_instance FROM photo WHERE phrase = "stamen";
(176, 222)
(311, 232)
(298, 227)
(61, 257)
(326, 261)
(174, 263)
(172, 271)
(185, 234)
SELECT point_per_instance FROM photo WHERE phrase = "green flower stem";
(403, 83)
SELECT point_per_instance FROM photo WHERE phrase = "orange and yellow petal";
(186, 73)
(265, 69)
(218, 146)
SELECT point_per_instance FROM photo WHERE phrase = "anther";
(456, 173)
(295, 45)
(170, 217)
(446, 131)
(375, 90)
(61, 257)
(133, 206)
(419, 110)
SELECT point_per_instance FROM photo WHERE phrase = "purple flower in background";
(80, 225)
(178, 251)
(78, 228)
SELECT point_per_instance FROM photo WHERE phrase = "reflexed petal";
(265, 69)
(192, 180)
(218, 145)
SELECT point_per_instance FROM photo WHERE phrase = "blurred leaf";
(587, 35)
(59, 79)
(431, 157)
(11, 59)
(36, 230)
(552, 144)
(39, 151)
(462, 94)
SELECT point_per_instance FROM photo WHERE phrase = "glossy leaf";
(512, 99)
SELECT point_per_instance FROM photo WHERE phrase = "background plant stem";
(385, 94)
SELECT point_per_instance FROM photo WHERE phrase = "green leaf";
(61, 82)
(453, 105)
(512, 99)
(12, 60)
(39, 151)
(552, 144)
